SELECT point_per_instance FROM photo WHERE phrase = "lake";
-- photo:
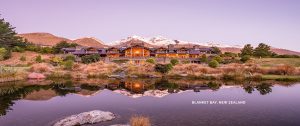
(166, 102)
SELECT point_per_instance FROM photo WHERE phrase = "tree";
(174, 62)
(8, 36)
(216, 50)
(150, 60)
(213, 64)
(163, 68)
(63, 44)
(262, 50)
(247, 50)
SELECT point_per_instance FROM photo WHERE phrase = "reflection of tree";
(213, 85)
(7, 98)
(90, 87)
(249, 89)
(164, 84)
(264, 88)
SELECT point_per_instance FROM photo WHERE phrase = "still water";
(165, 102)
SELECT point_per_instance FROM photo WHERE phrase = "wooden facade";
(138, 50)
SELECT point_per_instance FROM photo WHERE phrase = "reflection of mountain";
(150, 93)
(41, 95)
(87, 93)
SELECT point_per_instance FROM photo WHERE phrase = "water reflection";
(11, 92)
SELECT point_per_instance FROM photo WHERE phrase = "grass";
(281, 77)
(269, 62)
(139, 121)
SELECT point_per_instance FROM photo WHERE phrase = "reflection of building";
(135, 87)
(138, 50)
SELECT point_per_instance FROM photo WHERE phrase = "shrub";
(174, 62)
(18, 49)
(213, 64)
(69, 57)
(38, 59)
(22, 58)
(163, 68)
(46, 50)
(68, 65)
(2, 53)
(90, 58)
(56, 60)
(245, 58)
(150, 60)
(218, 59)
(204, 58)
(5, 54)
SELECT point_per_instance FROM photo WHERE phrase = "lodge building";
(139, 50)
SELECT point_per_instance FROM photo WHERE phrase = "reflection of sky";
(275, 22)
(280, 107)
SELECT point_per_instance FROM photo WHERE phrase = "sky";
(231, 22)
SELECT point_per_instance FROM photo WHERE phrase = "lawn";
(268, 62)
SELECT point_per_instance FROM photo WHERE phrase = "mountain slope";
(43, 38)
(48, 39)
(90, 42)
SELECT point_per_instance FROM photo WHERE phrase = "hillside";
(48, 39)
(90, 42)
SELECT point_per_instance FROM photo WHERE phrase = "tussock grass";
(139, 121)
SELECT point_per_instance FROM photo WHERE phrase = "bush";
(56, 60)
(69, 57)
(174, 62)
(90, 58)
(203, 59)
(18, 49)
(2, 53)
(68, 65)
(218, 59)
(245, 58)
(46, 50)
(213, 64)
(150, 60)
(38, 59)
(163, 68)
(22, 58)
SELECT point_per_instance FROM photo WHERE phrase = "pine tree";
(8, 36)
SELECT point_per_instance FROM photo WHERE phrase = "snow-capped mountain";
(162, 41)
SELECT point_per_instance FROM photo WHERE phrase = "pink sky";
(232, 22)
